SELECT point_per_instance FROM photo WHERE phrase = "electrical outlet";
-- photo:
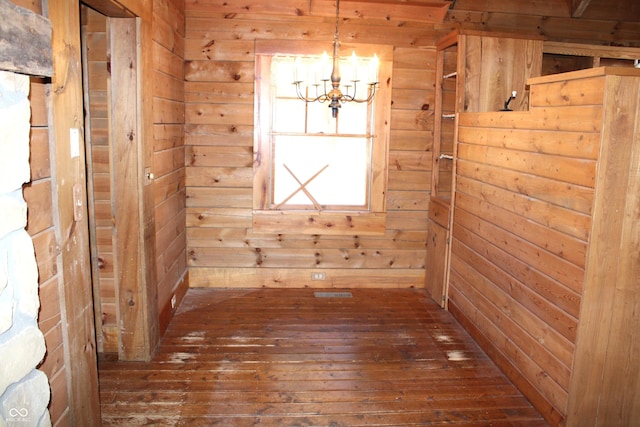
(318, 275)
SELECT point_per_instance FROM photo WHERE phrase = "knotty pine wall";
(69, 401)
(524, 193)
(99, 182)
(168, 165)
(532, 189)
(223, 250)
(168, 155)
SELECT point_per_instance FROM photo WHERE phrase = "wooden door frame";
(130, 159)
(69, 175)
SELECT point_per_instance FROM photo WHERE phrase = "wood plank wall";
(551, 19)
(524, 195)
(169, 154)
(99, 171)
(222, 248)
(42, 227)
(168, 164)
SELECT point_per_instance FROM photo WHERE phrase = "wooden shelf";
(564, 57)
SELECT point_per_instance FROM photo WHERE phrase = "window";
(314, 173)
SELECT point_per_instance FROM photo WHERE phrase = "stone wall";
(24, 390)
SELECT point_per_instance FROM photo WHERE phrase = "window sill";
(332, 223)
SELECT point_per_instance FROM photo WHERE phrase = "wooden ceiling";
(607, 10)
(621, 10)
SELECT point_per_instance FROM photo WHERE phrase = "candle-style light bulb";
(373, 69)
(354, 64)
(325, 62)
(296, 69)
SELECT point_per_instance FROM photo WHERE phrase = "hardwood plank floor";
(285, 357)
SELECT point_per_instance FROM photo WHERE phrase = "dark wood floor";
(291, 358)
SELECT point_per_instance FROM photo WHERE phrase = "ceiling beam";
(25, 41)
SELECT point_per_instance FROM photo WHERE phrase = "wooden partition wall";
(544, 267)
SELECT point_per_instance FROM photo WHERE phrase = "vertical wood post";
(70, 181)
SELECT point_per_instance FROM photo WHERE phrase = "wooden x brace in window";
(303, 188)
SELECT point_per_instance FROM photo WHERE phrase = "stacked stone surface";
(24, 390)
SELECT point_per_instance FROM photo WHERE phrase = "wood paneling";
(158, 207)
(169, 156)
(40, 224)
(94, 36)
(551, 19)
(529, 224)
(606, 359)
(219, 136)
(498, 227)
(38, 194)
(70, 183)
(219, 68)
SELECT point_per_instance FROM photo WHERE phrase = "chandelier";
(321, 92)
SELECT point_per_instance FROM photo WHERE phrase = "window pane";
(289, 115)
(319, 118)
(352, 118)
(341, 165)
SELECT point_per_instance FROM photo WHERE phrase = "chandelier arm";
(319, 98)
(372, 93)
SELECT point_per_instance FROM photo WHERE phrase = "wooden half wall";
(534, 230)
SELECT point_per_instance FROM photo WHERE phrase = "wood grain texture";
(94, 45)
(38, 194)
(615, 24)
(75, 280)
(26, 41)
(219, 151)
(518, 273)
(501, 226)
(284, 357)
(608, 320)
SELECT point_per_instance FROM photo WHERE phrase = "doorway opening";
(115, 177)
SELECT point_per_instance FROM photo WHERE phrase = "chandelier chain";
(336, 35)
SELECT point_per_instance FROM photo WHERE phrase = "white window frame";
(349, 221)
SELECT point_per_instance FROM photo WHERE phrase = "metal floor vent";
(333, 294)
